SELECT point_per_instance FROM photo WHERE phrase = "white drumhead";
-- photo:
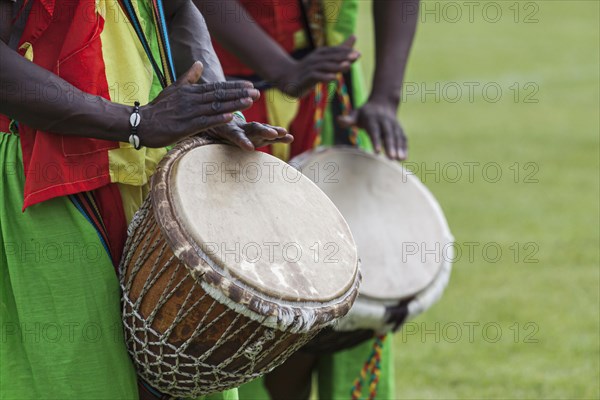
(399, 228)
(264, 224)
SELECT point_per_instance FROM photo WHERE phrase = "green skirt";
(60, 321)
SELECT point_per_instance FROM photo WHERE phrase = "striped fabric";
(86, 204)
(166, 75)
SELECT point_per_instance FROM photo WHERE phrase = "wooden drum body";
(219, 281)
(403, 240)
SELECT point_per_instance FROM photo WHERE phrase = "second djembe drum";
(403, 240)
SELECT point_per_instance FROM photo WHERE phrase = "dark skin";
(190, 41)
(395, 25)
(241, 34)
(394, 33)
(190, 106)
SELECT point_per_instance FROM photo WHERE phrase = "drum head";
(398, 226)
(262, 224)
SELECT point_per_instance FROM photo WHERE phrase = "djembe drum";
(234, 261)
(403, 241)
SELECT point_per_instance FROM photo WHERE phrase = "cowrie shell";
(134, 140)
(134, 119)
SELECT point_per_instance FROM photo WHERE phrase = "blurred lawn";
(558, 354)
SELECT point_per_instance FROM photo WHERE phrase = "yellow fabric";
(133, 167)
(28, 51)
(300, 40)
(333, 36)
(331, 9)
(130, 77)
(281, 110)
(133, 197)
(125, 60)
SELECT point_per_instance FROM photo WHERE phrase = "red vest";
(65, 37)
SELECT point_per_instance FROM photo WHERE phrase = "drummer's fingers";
(259, 141)
(374, 132)
(350, 42)
(281, 132)
(192, 75)
(337, 53)
(287, 138)
(263, 134)
(347, 121)
(226, 95)
(219, 86)
(216, 107)
(237, 136)
(389, 136)
(335, 67)
(257, 129)
(402, 143)
(202, 122)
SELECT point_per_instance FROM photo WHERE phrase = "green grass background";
(558, 294)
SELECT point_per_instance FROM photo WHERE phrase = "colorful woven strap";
(319, 111)
(343, 99)
(372, 367)
(346, 105)
(313, 14)
(86, 204)
(163, 41)
(166, 75)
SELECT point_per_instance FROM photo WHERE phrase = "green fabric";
(61, 329)
(341, 17)
(337, 372)
(226, 395)
(60, 320)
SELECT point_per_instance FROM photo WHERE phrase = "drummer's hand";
(381, 123)
(321, 65)
(186, 107)
(249, 135)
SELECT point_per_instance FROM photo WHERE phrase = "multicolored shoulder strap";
(166, 74)
(372, 367)
(86, 203)
(313, 15)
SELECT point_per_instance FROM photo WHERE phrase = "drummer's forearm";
(42, 100)
(190, 40)
(395, 26)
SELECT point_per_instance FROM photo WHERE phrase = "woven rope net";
(203, 346)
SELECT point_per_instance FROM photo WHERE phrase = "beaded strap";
(134, 122)
(372, 367)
